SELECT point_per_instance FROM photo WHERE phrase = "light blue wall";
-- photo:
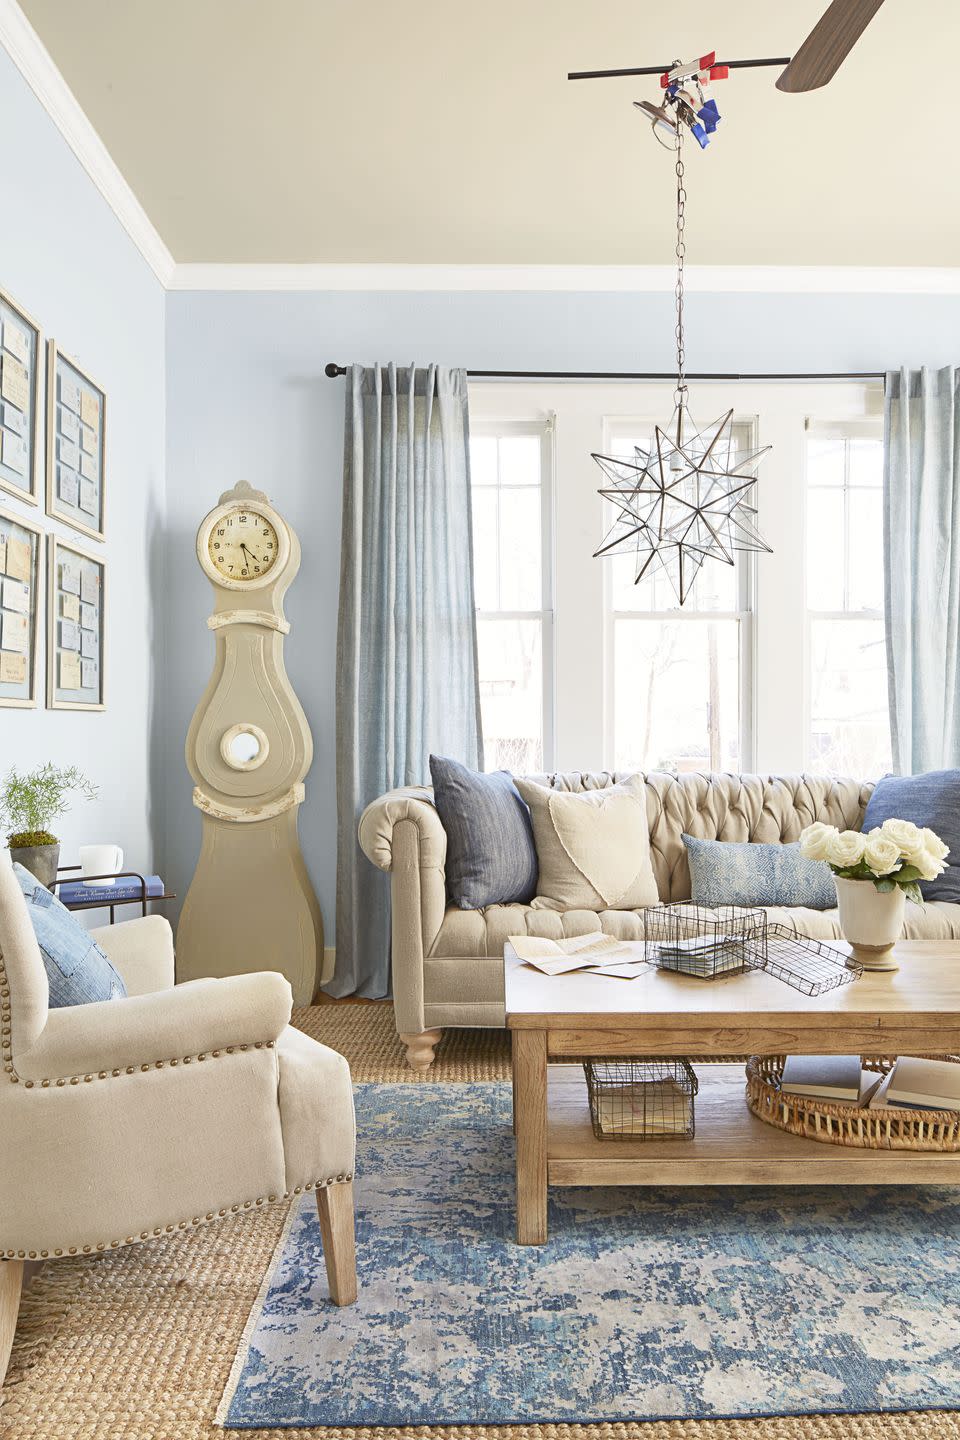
(67, 260)
(247, 398)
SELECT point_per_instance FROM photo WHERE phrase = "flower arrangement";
(895, 854)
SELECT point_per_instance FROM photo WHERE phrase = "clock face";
(243, 545)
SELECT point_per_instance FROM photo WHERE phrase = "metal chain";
(681, 250)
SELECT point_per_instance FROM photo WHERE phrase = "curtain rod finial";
(332, 370)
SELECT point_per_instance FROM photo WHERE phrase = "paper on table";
(556, 957)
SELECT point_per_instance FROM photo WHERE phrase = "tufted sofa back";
(758, 808)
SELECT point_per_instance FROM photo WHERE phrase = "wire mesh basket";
(641, 1099)
(810, 966)
(695, 940)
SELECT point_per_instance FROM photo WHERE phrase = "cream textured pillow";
(593, 848)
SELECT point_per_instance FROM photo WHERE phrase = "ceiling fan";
(828, 44)
(815, 63)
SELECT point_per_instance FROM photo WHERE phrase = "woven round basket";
(833, 1124)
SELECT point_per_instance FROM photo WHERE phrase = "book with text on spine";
(75, 892)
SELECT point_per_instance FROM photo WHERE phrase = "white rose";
(929, 865)
(815, 839)
(935, 845)
(905, 834)
(881, 853)
(845, 849)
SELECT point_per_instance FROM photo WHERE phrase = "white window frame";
(542, 428)
(775, 718)
(849, 429)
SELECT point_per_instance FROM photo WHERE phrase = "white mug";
(100, 860)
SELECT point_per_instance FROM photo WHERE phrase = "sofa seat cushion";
(471, 934)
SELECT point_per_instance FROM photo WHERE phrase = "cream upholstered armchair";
(134, 1118)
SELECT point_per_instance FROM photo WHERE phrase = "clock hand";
(249, 553)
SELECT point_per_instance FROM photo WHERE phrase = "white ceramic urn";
(871, 921)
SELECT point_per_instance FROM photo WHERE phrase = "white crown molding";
(715, 279)
(28, 53)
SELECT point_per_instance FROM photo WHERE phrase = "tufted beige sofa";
(447, 963)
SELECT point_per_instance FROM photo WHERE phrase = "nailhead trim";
(177, 1225)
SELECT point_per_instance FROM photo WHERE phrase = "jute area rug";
(138, 1345)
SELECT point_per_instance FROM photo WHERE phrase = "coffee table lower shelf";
(731, 1147)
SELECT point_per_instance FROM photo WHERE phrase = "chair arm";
(142, 951)
(381, 816)
(79, 1040)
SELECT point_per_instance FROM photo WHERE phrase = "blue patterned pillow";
(491, 857)
(931, 801)
(78, 971)
(725, 873)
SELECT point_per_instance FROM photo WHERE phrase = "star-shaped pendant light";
(687, 499)
(690, 496)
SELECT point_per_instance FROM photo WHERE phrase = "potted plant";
(29, 805)
(874, 874)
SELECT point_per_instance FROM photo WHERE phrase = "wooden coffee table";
(565, 1018)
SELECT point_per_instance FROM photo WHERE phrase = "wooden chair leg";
(420, 1048)
(11, 1283)
(335, 1208)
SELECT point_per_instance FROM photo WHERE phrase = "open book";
(599, 953)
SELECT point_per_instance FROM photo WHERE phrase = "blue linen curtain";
(921, 542)
(407, 680)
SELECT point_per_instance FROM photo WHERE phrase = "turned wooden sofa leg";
(11, 1283)
(335, 1209)
(420, 1048)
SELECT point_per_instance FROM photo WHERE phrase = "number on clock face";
(243, 545)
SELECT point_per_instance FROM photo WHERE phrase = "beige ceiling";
(442, 131)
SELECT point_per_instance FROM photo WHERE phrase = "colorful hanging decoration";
(690, 496)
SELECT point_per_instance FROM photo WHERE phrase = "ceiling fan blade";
(828, 44)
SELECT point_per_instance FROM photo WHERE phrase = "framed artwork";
(20, 362)
(21, 549)
(76, 607)
(76, 444)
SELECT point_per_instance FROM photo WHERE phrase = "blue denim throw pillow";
(77, 969)
(491, 857)
(931, 801)
(725, 873)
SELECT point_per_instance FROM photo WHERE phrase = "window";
(775, 664)
(849, 718)
(678, 675)
(509, 464)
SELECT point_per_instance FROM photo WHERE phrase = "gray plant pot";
(40, 860)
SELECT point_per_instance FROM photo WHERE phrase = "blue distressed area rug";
(643, 1304)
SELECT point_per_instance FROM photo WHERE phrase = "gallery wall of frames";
(53, 420)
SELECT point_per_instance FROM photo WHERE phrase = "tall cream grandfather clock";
(251, 905)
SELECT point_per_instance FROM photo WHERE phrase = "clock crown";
(243, 490)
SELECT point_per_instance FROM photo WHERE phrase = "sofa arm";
(142, 951)
(401, 832)
(379, 820)
(191, 1020)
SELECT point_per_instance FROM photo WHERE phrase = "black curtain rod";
(662, 69)
(333, 370)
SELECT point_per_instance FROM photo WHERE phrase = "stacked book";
(913, 1083)
(838, 1078)
(78, 892)
(919, 1084)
